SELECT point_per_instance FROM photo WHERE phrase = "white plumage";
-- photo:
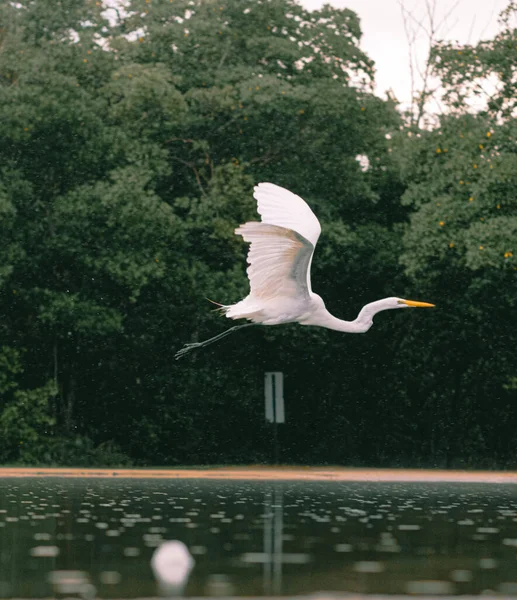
(171, 564)
(281, 249)
(278, 206)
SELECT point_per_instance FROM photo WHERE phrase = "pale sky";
(384, 39)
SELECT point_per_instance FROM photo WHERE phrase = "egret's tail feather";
(220, 307)
(216, 303)
(243, 310)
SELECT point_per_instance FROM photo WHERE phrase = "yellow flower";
(451, 245)
(488, 134)
(475, 166)
(461, 181)
(498, 206)
(481, 146)
(470, 199)
(508, 254)
(442, 223)
(438, 150)
(481, 248)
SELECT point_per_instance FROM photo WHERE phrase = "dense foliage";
(131, 141)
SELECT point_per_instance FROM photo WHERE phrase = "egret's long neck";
(361, 324)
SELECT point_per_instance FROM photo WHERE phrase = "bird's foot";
(186, 349)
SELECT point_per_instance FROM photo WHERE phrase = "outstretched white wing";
(278, 206)
(282, 245)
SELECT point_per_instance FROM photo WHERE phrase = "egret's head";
(365, 319)
(401, 303)
(390, 303)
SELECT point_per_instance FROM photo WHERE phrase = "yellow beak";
(417, 304)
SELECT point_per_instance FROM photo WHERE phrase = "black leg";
(188, 347)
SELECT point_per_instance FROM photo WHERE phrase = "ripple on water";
(44, 551)
(430, 587)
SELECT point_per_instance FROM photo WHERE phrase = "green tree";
(460, 249)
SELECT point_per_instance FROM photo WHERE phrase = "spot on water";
(44, 551)
(429, 586)
(461, 575)
(368, 566)
(487, 563)
(110, 577)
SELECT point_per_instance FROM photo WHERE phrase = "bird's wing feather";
(279, 260)
(278, 206)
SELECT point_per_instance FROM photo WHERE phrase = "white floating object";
(430, 587)
(110, 577)
(461, 575)
(510, 541)
(72, 583)
(44, 551)
(487, 563)
(171, 564)
(293, 558)
(219, 585)
(343, 548)
(368, 566)
(508, 587)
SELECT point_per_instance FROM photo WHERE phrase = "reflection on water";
(129, 538)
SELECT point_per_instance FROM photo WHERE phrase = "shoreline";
(334, 474)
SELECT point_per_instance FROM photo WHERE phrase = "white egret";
(280, 256)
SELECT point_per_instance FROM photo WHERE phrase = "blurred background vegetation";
(130, 143)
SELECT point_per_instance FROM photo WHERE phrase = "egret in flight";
(280, 256)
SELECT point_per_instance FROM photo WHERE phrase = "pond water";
(82, 538)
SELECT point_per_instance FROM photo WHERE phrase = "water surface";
(256, 538)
